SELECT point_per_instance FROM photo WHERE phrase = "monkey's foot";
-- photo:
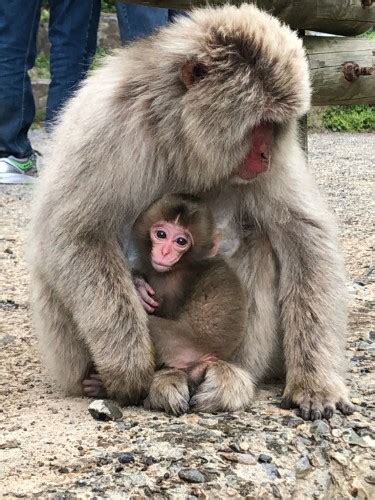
(169, 392)
(226, 387)
(318, 403)
(93, 386)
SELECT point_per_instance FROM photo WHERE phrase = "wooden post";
(340, 17)
(333, 80)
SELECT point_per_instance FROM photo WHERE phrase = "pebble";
(372, 335)
(370, 479)
(9, 443)
(292, 421)
(272, 471)
(264, 459)
(7, 339)
(240, 458)
(320, 428)
(192, 476)
(104, 410)
(303, 466)
(351, 437)
(339, 457)
(125, 458)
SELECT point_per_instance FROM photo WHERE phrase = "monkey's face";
(170, 241)
(230, 78)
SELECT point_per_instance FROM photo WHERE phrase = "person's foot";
(18, 170)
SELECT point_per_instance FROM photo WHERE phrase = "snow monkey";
(197, 301)
(207, 106)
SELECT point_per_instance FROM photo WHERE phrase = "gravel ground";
(51, 447)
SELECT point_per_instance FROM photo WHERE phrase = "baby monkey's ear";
(215, 244)
(192, 72)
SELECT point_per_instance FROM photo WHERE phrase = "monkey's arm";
(313, 313)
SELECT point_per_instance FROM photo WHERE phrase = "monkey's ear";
(215, 244)
(192, 72)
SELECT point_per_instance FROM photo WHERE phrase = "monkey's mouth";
(160, 268)
(259, 157)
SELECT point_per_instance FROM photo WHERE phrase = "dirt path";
(50, 447)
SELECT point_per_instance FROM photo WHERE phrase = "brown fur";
(201, 303)
(138, 129)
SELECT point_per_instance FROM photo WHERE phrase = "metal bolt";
(352, 71)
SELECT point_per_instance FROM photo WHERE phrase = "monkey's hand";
(226, 387)
(169, 392)
(93, 386)
(145, 293)
(316, 401)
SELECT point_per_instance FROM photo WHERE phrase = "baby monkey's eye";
(161, 234)
(182, 242)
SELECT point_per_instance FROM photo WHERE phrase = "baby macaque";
(195, 300)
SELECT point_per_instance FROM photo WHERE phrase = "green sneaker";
(18, 170)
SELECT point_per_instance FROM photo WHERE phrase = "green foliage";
(108, 5)
(41, 67)
(356, 118)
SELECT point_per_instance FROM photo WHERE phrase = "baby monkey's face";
(170, 241)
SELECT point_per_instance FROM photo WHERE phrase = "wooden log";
(339, 17)
(331, 85)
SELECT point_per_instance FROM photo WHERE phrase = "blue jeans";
(136, 21)
(72, 32)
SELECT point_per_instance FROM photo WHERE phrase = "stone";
(7, 339)
(370, 479)
(292, 421)
(339, 458)
(264, 459)
(104, 410)
(240, 458)
(192, 476)
(371, 335)
(125, 458)
(271, 470)
(320, 428)
(8, 444)
(303, 466)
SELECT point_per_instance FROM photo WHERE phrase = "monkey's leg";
(226, 387)
(313, 317)
(169, 392)
(66, 356)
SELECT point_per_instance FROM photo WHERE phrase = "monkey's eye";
(199, 71)
(181, 242)
(161, 234)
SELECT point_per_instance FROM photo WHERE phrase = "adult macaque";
(198, 305)
(209, 106)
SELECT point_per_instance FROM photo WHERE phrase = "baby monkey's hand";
(145, 293)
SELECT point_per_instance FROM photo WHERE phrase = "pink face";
(170, 242)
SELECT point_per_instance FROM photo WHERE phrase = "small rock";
(352, 438)
(7, 339)
(356, 401)
(339, 457)
(104, 410)
(240, 458)
(8, 444)
(125, 458)
(264, 459)
(363, 346)
(303, 466)
(320, 428)
(370, 479)
(292, 421)
(271, 470)
(371, 335)
(336, 433)
(192, 476)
